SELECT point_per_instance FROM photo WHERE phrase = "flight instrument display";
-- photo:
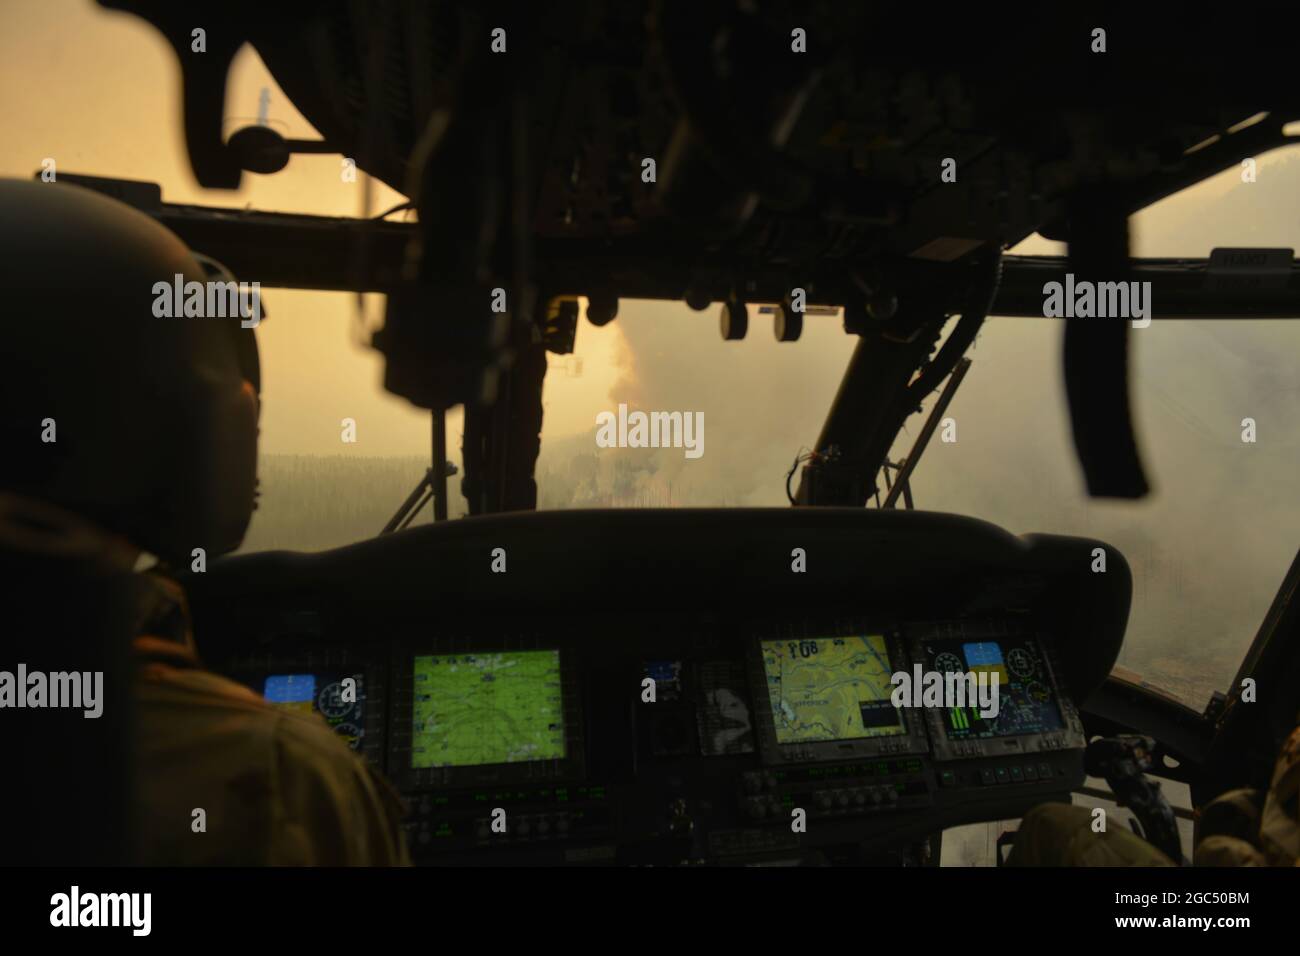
(830, 688)
(487, 708)
(342, 705)
(1026, 701)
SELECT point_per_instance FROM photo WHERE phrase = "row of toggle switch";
(841, 800)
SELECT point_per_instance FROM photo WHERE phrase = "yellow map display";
(830, 688)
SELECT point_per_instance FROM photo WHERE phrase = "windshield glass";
(1208, 548)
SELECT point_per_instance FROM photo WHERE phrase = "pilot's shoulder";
(195, 692)
(219, 702)
(307, 735)
(312, 759)
(215, 707)
(326, 787)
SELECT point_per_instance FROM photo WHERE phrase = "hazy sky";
(99, 92)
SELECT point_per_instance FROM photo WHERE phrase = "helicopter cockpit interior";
(731, 685)
(738, 692)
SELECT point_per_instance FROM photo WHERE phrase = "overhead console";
(609, 706)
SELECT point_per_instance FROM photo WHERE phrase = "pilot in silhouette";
(127, 416)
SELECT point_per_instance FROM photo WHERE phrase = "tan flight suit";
(1061, 834)
(1270, 837)
(1234, 831)
(277, 788)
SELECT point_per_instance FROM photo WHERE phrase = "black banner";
(488, 907)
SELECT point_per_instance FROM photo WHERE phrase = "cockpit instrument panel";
(339, 698)
(726, 724)
(473, 709)
(825, 694)
(748, 722)
(344, 689)
(469, 713)
(490, 739)
(1012, 703)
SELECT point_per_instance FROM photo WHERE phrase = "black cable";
(968, 326)
(799, 457)
(398, 208)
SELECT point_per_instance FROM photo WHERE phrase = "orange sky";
(98, 91)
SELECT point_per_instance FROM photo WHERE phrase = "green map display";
(830, 688)
(474, 709)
